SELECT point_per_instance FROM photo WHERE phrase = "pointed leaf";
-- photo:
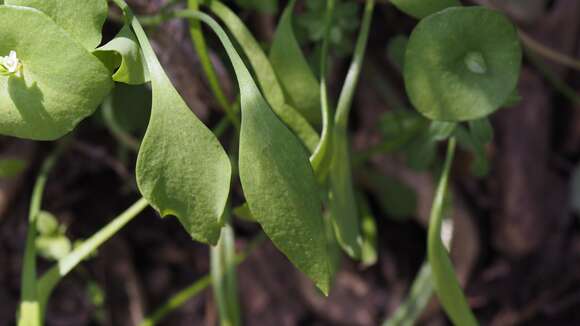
(61, 83)
(265, 75)
(293, 70)
(182, 169)
(276, 176)
(83, 20)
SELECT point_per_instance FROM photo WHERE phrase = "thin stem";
(445, 281)
(202, 52)
(348, 89)
(64, 265)
(223, 274)
(321, 156)
(548, 53)
(29, 306)
(201, 284)
(553, 79)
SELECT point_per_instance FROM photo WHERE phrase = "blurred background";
(516, 241)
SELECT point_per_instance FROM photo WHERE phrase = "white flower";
(11, 64)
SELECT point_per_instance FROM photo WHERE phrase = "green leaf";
(462, 63)
(10, 168)
(342, 200)
(423, 8)
(82, 20)
(61, 82)
(293, 70)
(265, 75)
(182, 169)
(411, 309)
(445, 281)
(276, 176)
(122, 55)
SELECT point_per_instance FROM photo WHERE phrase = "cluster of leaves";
(460, 64)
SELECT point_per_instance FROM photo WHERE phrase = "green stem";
(29, 305)
(64, 265)
(349, 87)
(445, 281)
(322, 155)
(223, 274)
(201, 284)
(548, 53)
(202, 52)
(556, 82)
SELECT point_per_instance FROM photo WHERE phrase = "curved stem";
(558, 84)
(64, 265)
(191, 291)
(30, 310)
(321, 157)
(348, 89)
(548, 53)
(202, 52)
(445, 281)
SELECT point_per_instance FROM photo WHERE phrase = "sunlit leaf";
(182, 169)
(60, 84)
(276, 176)
(462, 63)
(83, 20)
(265, 75)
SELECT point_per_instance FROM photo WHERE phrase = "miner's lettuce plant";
(460, 64)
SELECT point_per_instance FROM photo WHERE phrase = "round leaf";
(83, 20)
(60, 84)
(462, 63)
(423, 8)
